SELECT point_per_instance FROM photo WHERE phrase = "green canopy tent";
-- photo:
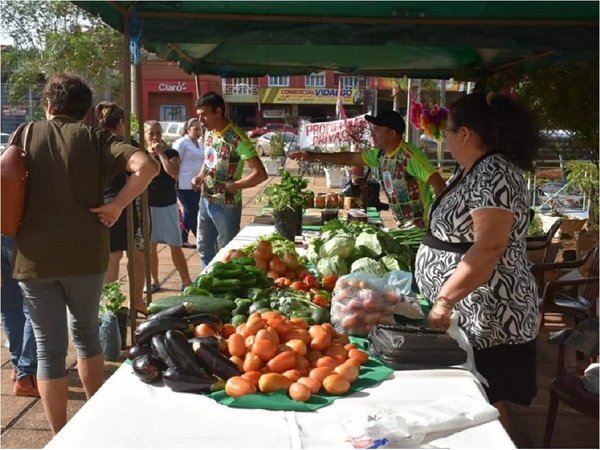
(465, 40)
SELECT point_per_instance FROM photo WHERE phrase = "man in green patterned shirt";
(221, 180)
(403, 170)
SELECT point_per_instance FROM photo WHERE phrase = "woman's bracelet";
(444, 302)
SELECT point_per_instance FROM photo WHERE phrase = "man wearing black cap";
(402, 169)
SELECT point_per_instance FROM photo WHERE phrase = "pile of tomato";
(277, 353)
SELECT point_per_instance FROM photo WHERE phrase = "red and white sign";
(327, 133)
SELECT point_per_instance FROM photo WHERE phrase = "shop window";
(173, 113)
(315, 80)
(279, 81)
(350, 82)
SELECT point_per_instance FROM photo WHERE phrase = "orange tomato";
(236, 345)
(252, 377)
(348, 371)
(320, 341)
(239, 362)
(203, 330)
(227, 330)
(261, 262)
(330, 329)
(299, 323)
(241, 330)
(335, 350)
(264, 247)
(265, 349)
(271, 382)
(275, 265)
(290, 260)
(254, 324)
(268, 315)
(284, 348)
(237, 386)
(266, 334)
(313, 356)
(326, 361)
(292, 374)
(311, 383)
(297, 345)
(340, 339)
(299, 392)
(302, 365)
(349, 347)
(252, 362)
(354, 361)
(249, 341)
(274, 335)
(320, 373)
(298, 333)
(282, 362)
(336, 384)
(314, 330)
(358, 354)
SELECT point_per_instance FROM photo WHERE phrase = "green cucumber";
(218, 306)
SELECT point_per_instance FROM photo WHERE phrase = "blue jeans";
(190, 200)
(217, 225)
(15, 318)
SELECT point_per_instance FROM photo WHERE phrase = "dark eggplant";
(148, 328)
(214, 341)
(216, 362)
(139, 350)
(181, 352)
(181, 310)
(147, 368)
(183, 381)
(209, 319)
(159, 349)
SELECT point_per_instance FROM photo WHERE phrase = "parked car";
(555, 193)
(171, 131)
(3, 140)
(263, 143)
(273, 126)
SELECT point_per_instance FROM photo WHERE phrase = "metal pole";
(130, 238)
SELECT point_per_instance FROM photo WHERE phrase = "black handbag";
(414, 348)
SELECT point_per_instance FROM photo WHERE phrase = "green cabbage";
(340, 245)
(332, 266)
(371, 244)
(368, 265)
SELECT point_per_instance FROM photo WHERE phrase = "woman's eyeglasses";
(449, 130)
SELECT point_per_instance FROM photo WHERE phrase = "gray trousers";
(49, 301)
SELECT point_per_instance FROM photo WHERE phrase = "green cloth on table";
(370, 374)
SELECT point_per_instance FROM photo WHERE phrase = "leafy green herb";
(287, 194)
(112, 298)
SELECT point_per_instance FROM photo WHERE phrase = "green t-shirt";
(404, 176)
(224, 154)
(70, 165)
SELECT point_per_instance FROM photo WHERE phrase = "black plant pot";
(122, 318)
(288, 222)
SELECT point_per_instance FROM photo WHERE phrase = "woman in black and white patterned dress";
(473, 260)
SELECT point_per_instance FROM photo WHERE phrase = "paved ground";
(24, 424)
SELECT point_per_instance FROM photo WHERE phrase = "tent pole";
(130, 236)
(197, 81)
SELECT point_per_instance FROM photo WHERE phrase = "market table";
(126, 413)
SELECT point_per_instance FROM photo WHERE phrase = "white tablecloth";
(126, 413)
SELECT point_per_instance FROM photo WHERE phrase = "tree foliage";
(56, 36)
(563, 97)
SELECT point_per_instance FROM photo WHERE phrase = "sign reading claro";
(172, 87)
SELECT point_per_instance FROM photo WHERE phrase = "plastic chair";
(567, 386)
(543, 242)
(579, 304)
